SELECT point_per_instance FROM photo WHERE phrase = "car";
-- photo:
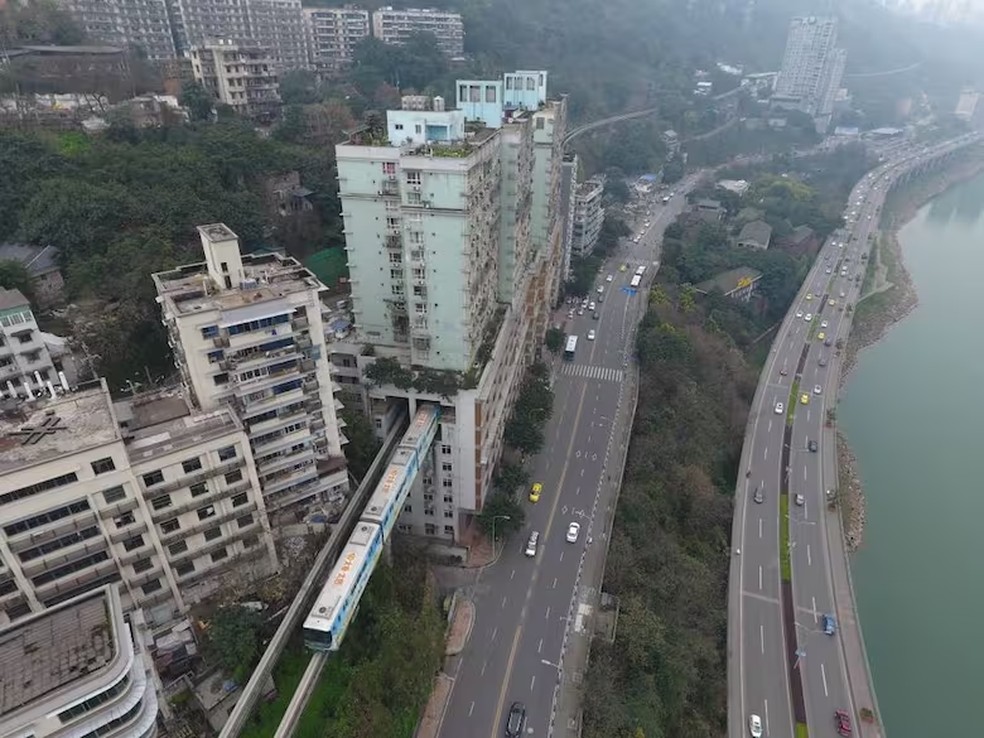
(592, 306)
(580, 311)
(758, 496)
(623, 268)
(829, 270)
(515, 720)
(535, 491)
(809, 295)
(596, 315)
(799, 313)
(601, 299)
(783, 372)
(591, 335)
(635, 240)
(842, 295)
(821, 335)
(800, 500)
(666, 200)
(531, 543)
(646, 224)
(601, 289)
(829, 624)
(808, 317)
(573, 531)
(610, 277)
(843, 721)
(755, 726)
(779, 408)
(817, 389)
(570, 314)
(829, 341)
(812, 445)
(804, 399)
(823, 324)
(822, 361)
(832, 303)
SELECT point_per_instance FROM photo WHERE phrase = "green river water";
(913, 412)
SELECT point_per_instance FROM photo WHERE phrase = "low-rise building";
(672, 142)
(41, 262)
(738, 284)
(239, 75)
(589, 216)
(709, 211)
(737, 186)
(26, 361)
(78, 668)
(755, 235)
(397, 25)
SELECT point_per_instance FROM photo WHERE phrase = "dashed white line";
(762, 637)
(471, 708)
(809, 558)
(804, 473)
(512, 574)
(766, 711)
(815, 618)
(532, 682)
(548, 613)
(554, 585)
(495, 632)
(765, 453)
(561, 555)
(760, 578)
(504, 602)
(760, 527)
(823, 675)
(539, 646)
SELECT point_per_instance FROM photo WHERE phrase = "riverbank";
(890, 297)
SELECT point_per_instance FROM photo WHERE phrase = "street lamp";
(497, 517)
(551, 663)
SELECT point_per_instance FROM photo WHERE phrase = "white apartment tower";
(26, 363)
(145, 493)
(333, 34)
(447, 286)
(812, 68)
(240, 76)
(126, 23)
(396, 25)
(589, 215)
(247, 333)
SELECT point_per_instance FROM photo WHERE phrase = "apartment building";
(240, 76)
(29, 358)
(143, 24)
(589, 215)
(333, 34)
(145, 493)
(568, 192)
(396, 25)
(78, 668)
(279, 27)
(446, 280)
(812, 68)
(247, 333)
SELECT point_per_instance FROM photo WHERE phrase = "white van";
(531, 543)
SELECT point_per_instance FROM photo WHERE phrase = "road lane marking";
(471, 708)
(532, 682)
(539, 646)
(761, 597)
(765, 453)
(484, 664)
(815, 618)
(760, 577)
(760, 527)
(770, 425)
(547, 617)
(561, 555)
(804, 473)
(823, 675)
(809, 558)
(766, 717)
(512, 575)
(504, 602)
(808, 414)
(762, 637)
(495, 632)
(554, 585)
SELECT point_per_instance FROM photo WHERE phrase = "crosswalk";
(587, 371)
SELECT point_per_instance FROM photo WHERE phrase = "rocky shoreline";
(900, 298)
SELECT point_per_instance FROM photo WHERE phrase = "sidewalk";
(457, 637)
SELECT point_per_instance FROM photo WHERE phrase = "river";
(913, 413)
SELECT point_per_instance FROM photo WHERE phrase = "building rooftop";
(268, 277)
(12, 299)
(36, 259)
(36, 431)
(727, 282)
(758, 232)
(53, 649)
(163, 423)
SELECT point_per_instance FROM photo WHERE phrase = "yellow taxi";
(623, 268)
(535, 492)
(804, 399)
(821, 335)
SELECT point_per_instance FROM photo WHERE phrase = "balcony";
(393, 241)
(299, 322)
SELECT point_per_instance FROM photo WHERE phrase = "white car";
(591, 335)
(843, 295)
(573, 531)
(808, 317)
(823, 323)
(591, 306)
(531, 543)
(779, 408)
(799, 313)
(817, 389)
(829, 270)
(610, 277)
(755, 726)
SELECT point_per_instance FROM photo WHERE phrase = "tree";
(554, 340)
(233, 640)
(14, 276)
(502, 511)
(509, 477)
(363, 444)
(197, 100)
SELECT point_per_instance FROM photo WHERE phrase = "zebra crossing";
(586, 371)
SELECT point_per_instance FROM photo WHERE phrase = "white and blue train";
(339, 597)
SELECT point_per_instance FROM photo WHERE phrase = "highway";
(777, 459)
(526, 606)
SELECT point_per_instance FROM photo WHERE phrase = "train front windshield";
(317, 640)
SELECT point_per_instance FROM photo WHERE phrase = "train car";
(339, 598)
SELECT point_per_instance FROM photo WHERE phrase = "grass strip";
(791, 405)
(801, 731)
(785, 565)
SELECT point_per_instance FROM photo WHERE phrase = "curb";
(464, 641)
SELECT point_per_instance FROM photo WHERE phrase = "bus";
(570, 348)
(636, 281)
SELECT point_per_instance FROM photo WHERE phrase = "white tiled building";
(589, 216)
(124, 23)
(247, 332)
(812, 68)
(26, 363)
(241, 76)
(396, 25)
(333, 34)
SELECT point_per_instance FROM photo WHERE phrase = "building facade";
(26, 360)
(145, 493)
(333, 34)
(589, 215)
(247, 333)
(242, 77)
(396, 25)
(77, 668)
(812, 68)
(568, 190)
(278, 25)
(143, 24)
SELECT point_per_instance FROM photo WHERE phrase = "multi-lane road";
(801, 375)
(526, 607)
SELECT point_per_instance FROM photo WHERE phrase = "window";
(215, 356)
(449, 513)
(210, 331)
(413, 176)
(220, 379)
(240, 499)
(446, 466)
(159, 503)
(152, 478)
(212, 533)
(429, 511)
(389, 167)
(447, 483)
(490, 94)
(191, 465)
(204, 513)
(178, 547)
(132, 544)
(398, 126)
(245, 521)
(449, 499)
(142, 565)
(124, 520)
(408, 508)
(445, 448)
(229, 452)
(250, 541)
(449, 530)
(198, 489)
(169, 526)
(234, 476)
(219, 555)
(101, 466)
(430, 529)
(38, 487)
(114, 494)
(183, 570)
(151, 587)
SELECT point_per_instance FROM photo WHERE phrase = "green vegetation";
(669, 555)
(534, 405)
(329, 265)
(801, 731)
(388, 370)
(234, 640)
(554, 340)
(785, 564)
(363, 445)
(793, 399)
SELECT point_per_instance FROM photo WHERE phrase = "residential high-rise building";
(242, 77)
(193, 22)
(247, 333)
(448, 286)
(143, 24)
(78, 668)
(146, 493)
(396, 25)
(812, 68)
(278, 25)
(568, 191)
(589, 215)
(333, 34)
(26, 360)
